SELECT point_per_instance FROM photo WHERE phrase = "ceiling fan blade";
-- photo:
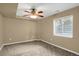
(40, 15)
(27, 11)
(25, 15)
(40, 11)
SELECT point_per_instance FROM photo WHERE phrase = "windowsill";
(61, 35)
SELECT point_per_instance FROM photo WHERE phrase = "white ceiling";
(48, 8)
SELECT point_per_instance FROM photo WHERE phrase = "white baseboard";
(42, 41)
(61, 47)
(1, 47)
(20, 42)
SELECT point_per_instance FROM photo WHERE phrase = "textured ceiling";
(10, 9)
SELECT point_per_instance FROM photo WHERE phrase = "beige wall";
(38, 30)
(18, 30)
(69, 43)
(1, 30)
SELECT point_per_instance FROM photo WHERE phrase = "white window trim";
(56, 34)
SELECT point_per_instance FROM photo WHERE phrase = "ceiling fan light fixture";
(33, 16)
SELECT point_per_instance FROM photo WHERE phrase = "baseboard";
(1, 47)
(20, 42)
(61, 47)
(42, 41)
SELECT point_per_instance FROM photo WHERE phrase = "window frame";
(60, 34)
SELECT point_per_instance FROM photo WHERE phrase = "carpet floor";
(36, 48)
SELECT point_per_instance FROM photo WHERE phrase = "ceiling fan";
(33, 13)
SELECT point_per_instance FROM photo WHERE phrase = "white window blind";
(63, 26)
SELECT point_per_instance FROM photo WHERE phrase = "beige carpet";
(36, 48)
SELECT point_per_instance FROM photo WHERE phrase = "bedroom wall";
(38, 30)
(1, 30)
(68, 43)
(17, 30)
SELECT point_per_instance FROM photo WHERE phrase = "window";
(63, 26)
